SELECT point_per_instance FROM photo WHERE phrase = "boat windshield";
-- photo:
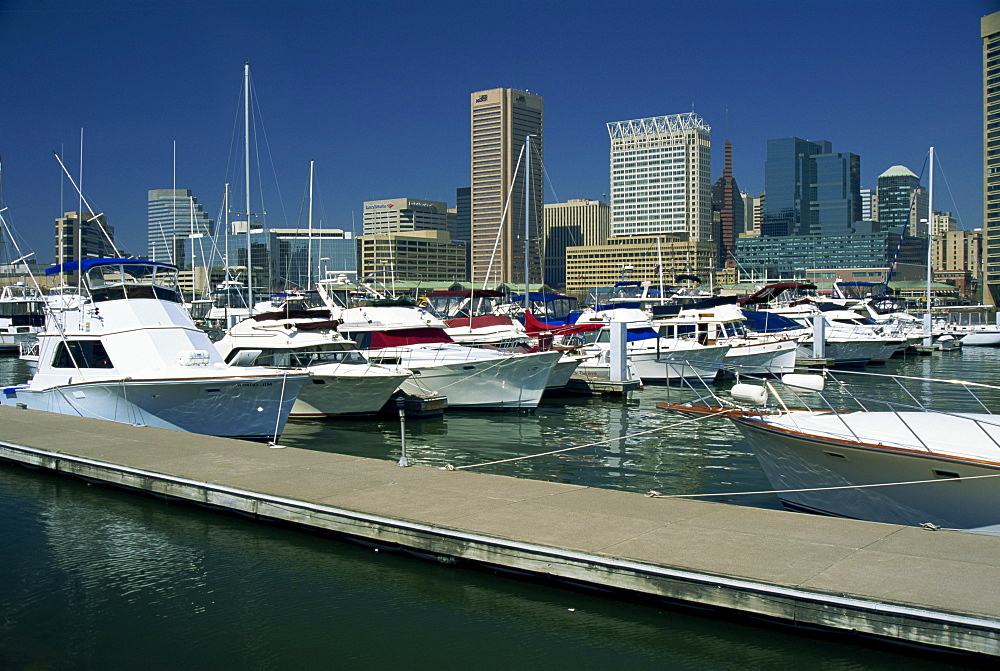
(300, 358)
(131, 279)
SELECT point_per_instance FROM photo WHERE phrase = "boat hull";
(254, 408)
(982, 339)
(701, 363)
(765, 359)
(336, 393)
(479, 381)
(795, 460)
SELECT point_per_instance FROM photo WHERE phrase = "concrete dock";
(933, 588)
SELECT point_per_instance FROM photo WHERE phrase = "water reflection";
(98, 578)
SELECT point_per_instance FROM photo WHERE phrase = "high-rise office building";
(397, 215)
(942, 222)
(810, 189)
(300, 257)
(836, 194)
(412, 256)
(788, 173)
(661, 176)
(727, 202)
(990, 32)
(463, 222)
(175, 220)
(901, 200)
(503, 224)
(83, 235)
(869, 205)
(577, 222)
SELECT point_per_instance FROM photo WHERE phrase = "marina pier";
(905, 584)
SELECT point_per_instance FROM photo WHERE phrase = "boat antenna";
(95, 217)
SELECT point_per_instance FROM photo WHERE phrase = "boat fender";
(749, 393)
(801, 382)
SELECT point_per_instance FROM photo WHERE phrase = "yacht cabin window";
(115, 281)
(81, 354)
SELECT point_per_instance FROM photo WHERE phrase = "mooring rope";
(449, 467)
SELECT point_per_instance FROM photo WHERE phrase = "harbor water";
(96, 577)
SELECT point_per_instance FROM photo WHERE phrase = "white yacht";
(341, 381)
(655, 358)
(399, 333)
(896, 461)
(129, 352)
(719, 321)
(21, 315)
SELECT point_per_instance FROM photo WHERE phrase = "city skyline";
(382, 116)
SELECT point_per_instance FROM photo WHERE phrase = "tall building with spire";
(990, 32)
(661, 176)
(729, 211)
(505, 224)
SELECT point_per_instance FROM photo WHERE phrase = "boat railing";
(841, 400)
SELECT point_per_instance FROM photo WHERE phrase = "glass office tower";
(789, 172)
(174, 215)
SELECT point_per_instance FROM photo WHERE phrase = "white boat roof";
(963, 436)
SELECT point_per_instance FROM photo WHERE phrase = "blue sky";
(377, 94)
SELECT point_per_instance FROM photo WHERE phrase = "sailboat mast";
(930, 226)
(928, 337)
(527, 214)
(246, 166)
(310, 252)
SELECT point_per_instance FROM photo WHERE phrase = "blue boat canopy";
(540, 297)
(72, 266)
(769, 322)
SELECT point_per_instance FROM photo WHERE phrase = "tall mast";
(246, 166)
(930, 239)
(527, 214)
(310, 252)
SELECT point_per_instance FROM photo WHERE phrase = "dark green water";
(92, 577)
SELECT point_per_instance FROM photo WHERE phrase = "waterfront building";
(869, 205)
(788, 172)
(727, 203)
(942, 222)
(397, 215)
(990, 32)
(959, 251)
(575, 223)
(661, 176)
(902, 201)
(463, 221)
(83, 235)
(794, 256)
(501, 120)
(637, 257)
(810, 189)
(413, 256)
(330, 251)
(752, 211)
(174, 220)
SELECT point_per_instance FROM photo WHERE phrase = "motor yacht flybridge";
(129, 352)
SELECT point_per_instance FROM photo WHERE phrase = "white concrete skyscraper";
(660, 176)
